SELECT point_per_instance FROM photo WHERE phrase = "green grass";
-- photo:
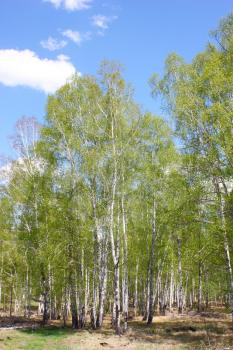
(41, 339)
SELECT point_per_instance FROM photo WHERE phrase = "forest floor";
(191, 332)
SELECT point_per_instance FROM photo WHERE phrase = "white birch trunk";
(151, 268)
(180, 279)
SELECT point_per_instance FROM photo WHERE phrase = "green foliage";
(99, 160)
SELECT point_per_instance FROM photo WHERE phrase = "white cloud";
(75, 36)
(102, 21)
(56, 3)
(53, 44)
(71, 5)
(25, 68)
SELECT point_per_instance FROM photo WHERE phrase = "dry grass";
(166, 333)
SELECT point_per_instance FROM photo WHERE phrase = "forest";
(113, 213)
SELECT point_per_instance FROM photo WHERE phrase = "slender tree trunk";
(45, 294)
(100, 268)
(51, 308)
(151, 269)
(115, 247)
(180, 279)
(228, 269)
(102, 293)
(95, 285)
(206, 289)
(11, 299)
(117, 297)
(185, 291)
(87, 291)
(102, 281)
(199, 295)
(1, 275)
(72, 289)
(45, 308)
(73, 302)
(27, 307)
(65, 301)
(147, 299)
(226, 244)
(125, 296)
(94, 304)
(136, 291)
(171, 289)
(116, 312)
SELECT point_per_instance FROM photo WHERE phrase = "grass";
(47, 338)
(178, 333)
(55, 339)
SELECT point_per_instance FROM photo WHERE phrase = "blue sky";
(42, 42)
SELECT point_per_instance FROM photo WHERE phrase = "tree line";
(109, 210)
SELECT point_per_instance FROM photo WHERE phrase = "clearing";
(198, 332)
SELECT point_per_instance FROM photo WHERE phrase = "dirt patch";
(18, 322)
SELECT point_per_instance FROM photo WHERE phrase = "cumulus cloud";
(53, 44)
(101, 21)
(75, 36)
(71, 5)
(25, 68)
